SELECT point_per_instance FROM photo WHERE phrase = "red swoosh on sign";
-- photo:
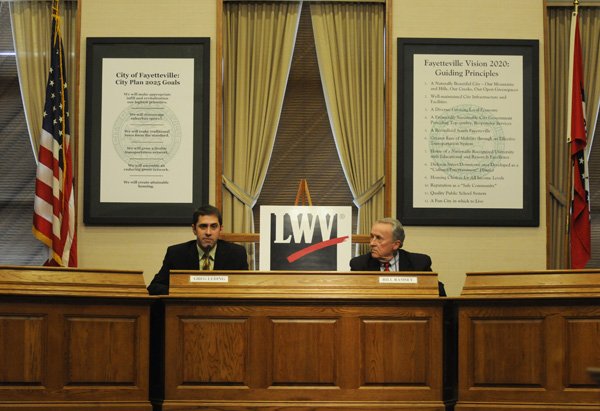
(314, 247)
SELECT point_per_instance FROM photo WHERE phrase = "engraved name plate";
(209, 279)
(397, 280)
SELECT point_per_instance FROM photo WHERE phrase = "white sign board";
(300, 238)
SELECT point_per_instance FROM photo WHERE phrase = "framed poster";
(146, 130)
(468, 132)
(305, 238)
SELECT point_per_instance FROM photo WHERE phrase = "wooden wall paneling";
(22, 342)
(213, 351)
(396, 352)
(582, 348)
(64, 352)
(508, 352)
(528, 353)
(304, 354)
(526, 340)
(60, 352)
(101, 350)
(73, 340)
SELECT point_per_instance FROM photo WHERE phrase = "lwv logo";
(302, 225)
(305, 238)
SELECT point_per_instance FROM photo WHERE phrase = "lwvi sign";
(299, 238)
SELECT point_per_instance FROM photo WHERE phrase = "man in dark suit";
(206, 252)
(387, 238)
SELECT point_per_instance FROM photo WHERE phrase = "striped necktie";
(205, 266)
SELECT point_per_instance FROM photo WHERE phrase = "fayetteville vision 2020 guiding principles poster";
(468, 131)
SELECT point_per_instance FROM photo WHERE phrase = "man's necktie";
(386, 266)
(205, 262)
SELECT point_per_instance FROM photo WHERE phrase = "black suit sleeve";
(354, 265)
(160, 282)
(231, 256)
(182, 256)
(419, 262)
(364, 262)
(238, 259)
(423, 263)
(243, 260)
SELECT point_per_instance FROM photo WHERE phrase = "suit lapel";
(218, 256)
(192, 255)
(373, 264)
(404, 263)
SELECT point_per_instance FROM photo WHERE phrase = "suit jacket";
(406, 262)
(185, 256)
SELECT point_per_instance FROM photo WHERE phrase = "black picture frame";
(97, 212)
(528, 214)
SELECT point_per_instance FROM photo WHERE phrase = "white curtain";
(31, 26)
(258, 44)
(349, 40)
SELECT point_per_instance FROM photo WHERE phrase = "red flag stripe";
(43, 191)
(42, 226)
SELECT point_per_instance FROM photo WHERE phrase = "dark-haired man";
(206, 252)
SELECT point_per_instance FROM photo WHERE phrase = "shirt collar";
(211, 253)
(393, 263)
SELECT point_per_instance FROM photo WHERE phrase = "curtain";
(258, 44)
(589, 25)
(31, 25)
(559, 23)
(349, 39)
(590, 42)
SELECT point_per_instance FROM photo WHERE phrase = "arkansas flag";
(54, 207)
(580, 238)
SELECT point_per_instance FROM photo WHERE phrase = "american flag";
(54, 206)
(580, 238)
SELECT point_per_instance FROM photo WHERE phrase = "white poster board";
(305, 238)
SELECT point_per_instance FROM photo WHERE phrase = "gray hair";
(397, 228)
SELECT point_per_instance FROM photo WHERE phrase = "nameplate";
(397, 280)
(209, 279)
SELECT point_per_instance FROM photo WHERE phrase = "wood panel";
(303, 352)
(508, 352)
(528, 354)
(304, 355)
(384, 364)
(526, 340)
(101, 350)
(213, 351)
(69, 343)
(22, 349)
(582, 349)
